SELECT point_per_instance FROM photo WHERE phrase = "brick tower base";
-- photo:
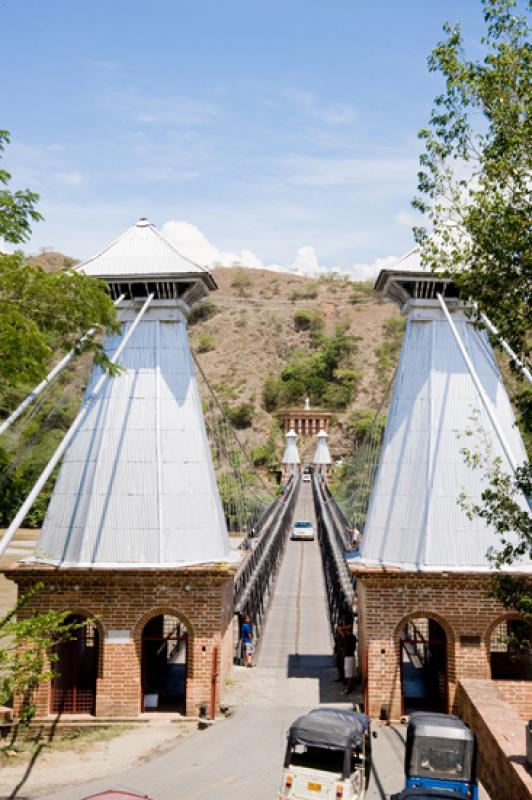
(460, 603)
(121, 602)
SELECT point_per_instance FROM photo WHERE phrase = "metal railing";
(255, 578)
(340, 583)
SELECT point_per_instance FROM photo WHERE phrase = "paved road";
(242, 757)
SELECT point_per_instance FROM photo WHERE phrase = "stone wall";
(123, 602)
(461, 604)
(501, 739)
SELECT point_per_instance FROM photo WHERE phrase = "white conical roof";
(291, 453)
(322, 454)
(142, 251)
(137, 486)
(414, 519)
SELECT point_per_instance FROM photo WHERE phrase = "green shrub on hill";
(206, 343)
(241, 416)
(309, 291)
(305, 320)
(202, 312)
(388, 352)
(324, 374)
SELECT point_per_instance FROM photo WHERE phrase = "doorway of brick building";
(423, 666)
(74, 687)
(164, 664)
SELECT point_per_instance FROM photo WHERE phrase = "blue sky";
(280, 132)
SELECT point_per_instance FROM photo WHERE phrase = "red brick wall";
(126, 600)
(519, 695)
(461, 604)
(501, 739)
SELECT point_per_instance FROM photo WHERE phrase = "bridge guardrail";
(340, 583)
(255, 578)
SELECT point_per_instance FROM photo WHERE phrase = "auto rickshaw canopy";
(334, 728)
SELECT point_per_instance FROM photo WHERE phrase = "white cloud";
(327, 113)
(408, 218)
(68, 178)
(193, 244)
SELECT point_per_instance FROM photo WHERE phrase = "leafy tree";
(474, 186)
(474, 181)
(41, 314)
(27, 657)
(323, 374)
(40, 311)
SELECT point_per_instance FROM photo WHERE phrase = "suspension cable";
(56, 457)
(59, 367)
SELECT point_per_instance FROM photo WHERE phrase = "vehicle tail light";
(288, 782)
(339, 792)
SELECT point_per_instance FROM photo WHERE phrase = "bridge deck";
(297, 634)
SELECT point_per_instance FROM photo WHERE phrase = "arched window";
(509, 659)
(423, 654)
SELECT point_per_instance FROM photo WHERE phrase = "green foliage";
(241, 416)
(388, 352)
(305, 320)
(474, 181)
(362, 292)
(361, 420)
(203, 311)
(267, 454)
(26, 655)
(206, 342)
(241, 281)
(309, 291)
(17, 209)
(501, 507)
(270, 393)
(474, 187)
(323, 374)
(41, 311)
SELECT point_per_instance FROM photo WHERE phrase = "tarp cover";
(330, 727)
(443, 726)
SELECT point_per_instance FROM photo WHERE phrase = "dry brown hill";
(254, 333)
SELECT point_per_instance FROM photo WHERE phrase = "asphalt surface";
(242, 757)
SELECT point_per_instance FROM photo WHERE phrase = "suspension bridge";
(152, 483)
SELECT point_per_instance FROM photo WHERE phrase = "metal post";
(480, 389)
(48, 380)
(49, 468)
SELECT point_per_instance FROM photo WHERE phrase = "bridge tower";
(291, 462)
(135, 535)
(322, 456)
(426, 616)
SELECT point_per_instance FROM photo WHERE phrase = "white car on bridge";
(303, 530)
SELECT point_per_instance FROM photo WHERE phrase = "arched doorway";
(509, 660)
(164, 664)
(423, 654)
(74, 688)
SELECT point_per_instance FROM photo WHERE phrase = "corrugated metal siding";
(137, 485)
(322, 454)
(291, 453)
(414, 520)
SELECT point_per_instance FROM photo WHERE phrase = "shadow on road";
(322, 669)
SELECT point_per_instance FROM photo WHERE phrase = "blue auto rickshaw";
(441, 753)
